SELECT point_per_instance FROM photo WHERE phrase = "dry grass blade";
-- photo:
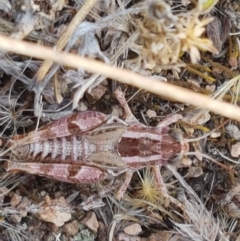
(124, 76)
(232, 86)
(13, 232)
(65, 37)
(7, 183)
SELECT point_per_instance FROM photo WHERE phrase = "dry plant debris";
(54, 211)
(192, 44)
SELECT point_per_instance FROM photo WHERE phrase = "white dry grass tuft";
(200, 223)
(12, 231)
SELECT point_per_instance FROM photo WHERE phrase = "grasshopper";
(90, 146)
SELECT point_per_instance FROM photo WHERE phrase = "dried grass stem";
(123, 76)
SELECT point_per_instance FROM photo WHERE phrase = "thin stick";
(160, 88)
(79, 17)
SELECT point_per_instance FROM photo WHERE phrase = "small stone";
(233, 131)
(71, 228)
(23, 205)
(3, 192)
(15, 200)
(96, 93)
(211, 87)
(57, 195)
(117, 111)
(235, 150)
(133, 229)
(215, 134)
(81, 106)
(16, 218)
(34, 224)
(50, 237)
(53, 227)
(151, 113)
(185, 2)
(125, 237)
(91, 221)
(43, 193)
(195, 172)
(160, 236)
(186, 162)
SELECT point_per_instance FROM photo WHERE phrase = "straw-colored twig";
(79, 17)
(160, 88)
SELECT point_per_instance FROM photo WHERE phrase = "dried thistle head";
(190, 30)
(164, 36)
(148, 190)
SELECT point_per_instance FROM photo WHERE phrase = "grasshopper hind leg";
(162, 188)
(120, 193)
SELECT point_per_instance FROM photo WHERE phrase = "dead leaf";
(197, 116)
(218, 31)
(54, 211)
